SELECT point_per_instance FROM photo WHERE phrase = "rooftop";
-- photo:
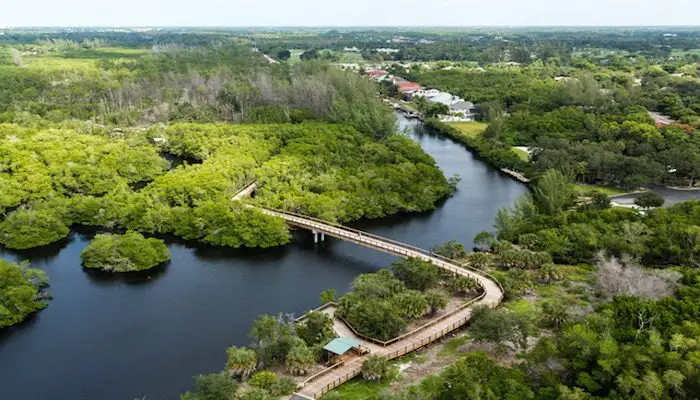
(340, 346)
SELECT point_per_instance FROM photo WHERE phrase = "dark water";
(114, 338)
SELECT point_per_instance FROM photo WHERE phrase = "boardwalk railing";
(339, 381)
(323, 372)
(320, 308)
(385, 343)
(378, 242)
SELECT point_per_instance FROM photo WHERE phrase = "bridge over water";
(319, 384)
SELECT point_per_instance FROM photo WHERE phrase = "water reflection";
(149, 276)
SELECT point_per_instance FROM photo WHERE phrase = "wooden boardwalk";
(432, 331)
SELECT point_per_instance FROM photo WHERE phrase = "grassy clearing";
(450, 348)
(360, 389)
(470, 128)
(105, 53)
(58, 63)
(609, 190)
(685, 53)
(522, 154)
(350, 57)
(578, 273)
(520, 306)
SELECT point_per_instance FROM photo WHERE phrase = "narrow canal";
(124, 338)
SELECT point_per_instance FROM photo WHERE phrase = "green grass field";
(360, 389)
(470, 128)
(609, 190)
(522, 154)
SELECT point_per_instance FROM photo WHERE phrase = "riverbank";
(494, 153)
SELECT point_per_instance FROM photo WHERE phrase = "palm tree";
(549, 272)
(300, 359)
(242, 362)
(464, 285)
(555, 314)
(436, 301)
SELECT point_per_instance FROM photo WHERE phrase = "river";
(105, 337)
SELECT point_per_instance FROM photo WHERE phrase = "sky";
(349, 12)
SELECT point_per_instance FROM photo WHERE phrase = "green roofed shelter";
(341, 346)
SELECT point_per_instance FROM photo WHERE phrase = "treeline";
(489, 45)
(206, 84)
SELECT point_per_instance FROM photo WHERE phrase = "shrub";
(375, 368)
(649, 200)
(416, 273)
(316, 328)
(328, 296)
(212, 387)
(265, 380)
(463, 285)
(451, 249)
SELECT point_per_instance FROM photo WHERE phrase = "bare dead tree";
(643, 322)
(617, 278)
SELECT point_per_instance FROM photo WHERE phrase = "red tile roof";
(408, 86)
(377, 72)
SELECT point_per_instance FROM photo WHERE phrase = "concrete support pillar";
(323, 237)
(315, 236)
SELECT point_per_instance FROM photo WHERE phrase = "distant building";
(466, 108)
(352, 49)
(460, 109)
(563, 78)
(387, 50)
(377, 74)
(408, 88)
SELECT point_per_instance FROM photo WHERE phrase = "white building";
(460, 109)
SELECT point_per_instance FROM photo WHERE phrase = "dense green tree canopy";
(20, 292)
(124, 253)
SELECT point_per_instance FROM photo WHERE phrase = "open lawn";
(609, 190)
(522, 154)
(470, 128)
(59, 63)
(359, 389)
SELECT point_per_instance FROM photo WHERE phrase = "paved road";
(672, 196)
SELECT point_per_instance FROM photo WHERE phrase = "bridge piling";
(316, 236)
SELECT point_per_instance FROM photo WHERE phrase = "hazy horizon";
(359, 13)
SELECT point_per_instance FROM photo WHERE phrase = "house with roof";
(377, 74)
(463, 109)
(408, 88)
(460, 109)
